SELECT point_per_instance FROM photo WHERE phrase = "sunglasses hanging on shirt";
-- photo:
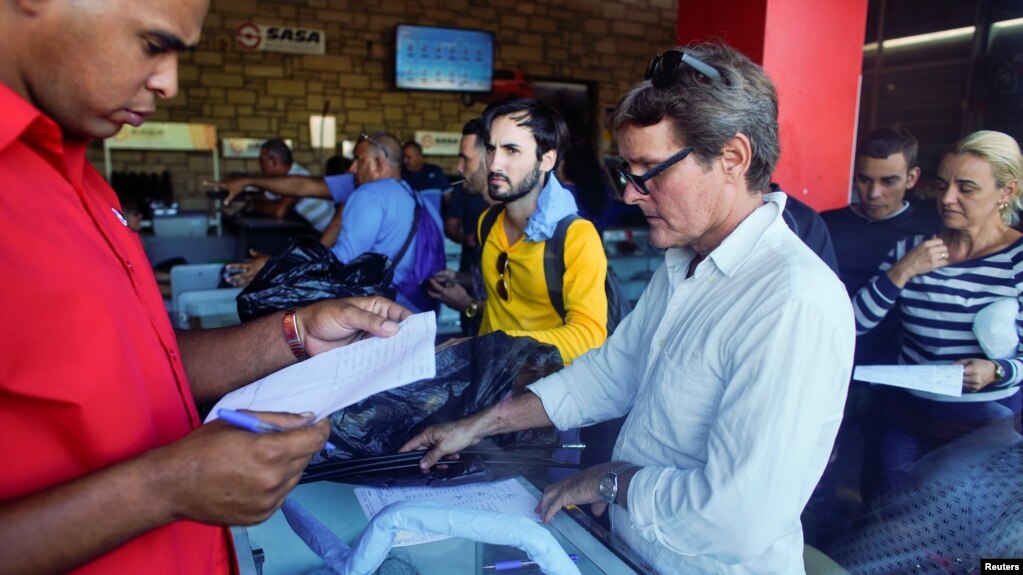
(502, 271)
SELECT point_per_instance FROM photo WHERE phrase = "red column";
(813, 51)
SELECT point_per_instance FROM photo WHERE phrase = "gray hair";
(707, 112)
(387, 146)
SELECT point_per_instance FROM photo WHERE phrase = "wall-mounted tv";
(443, 59)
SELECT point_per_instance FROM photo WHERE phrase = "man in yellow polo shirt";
(523, 137)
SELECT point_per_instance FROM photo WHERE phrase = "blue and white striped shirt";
(938, 308)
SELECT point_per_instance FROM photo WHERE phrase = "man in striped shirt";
(275, 159)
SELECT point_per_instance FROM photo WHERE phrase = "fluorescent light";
(930, 37)
(1018, 22)
(943, 35)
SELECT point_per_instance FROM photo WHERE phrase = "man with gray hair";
(734, 364)
(378, 212)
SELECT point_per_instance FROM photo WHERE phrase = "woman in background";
(939, 285)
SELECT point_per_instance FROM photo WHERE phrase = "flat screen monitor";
(443, 59)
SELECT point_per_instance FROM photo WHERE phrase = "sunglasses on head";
(663, 67)
(374, 143)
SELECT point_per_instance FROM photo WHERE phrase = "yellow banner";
(164, 136)
(438, 143)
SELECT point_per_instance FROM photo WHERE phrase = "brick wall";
(263, 94)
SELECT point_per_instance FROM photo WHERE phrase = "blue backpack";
(427, 257)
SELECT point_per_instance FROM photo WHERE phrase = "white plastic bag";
(995, 328)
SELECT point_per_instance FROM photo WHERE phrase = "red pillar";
(813, 50)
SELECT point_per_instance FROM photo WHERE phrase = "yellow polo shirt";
(528, 311)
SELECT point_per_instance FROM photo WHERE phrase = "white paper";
(507, 496)
(340, 377)
(940, 379)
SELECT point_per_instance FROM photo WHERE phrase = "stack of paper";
(940, 379)
(338, 378)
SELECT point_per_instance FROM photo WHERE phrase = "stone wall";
(605, 44)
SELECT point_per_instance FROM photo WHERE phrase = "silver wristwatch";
(608, 486)
(999, 372)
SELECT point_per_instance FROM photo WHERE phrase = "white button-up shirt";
(734, 381)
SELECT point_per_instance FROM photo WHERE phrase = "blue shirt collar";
(552, 205)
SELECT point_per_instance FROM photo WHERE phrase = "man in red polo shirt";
(105, 466)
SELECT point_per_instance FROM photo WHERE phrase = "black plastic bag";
(471, 376)
(306, 272)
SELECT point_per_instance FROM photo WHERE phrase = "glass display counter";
(272, 548)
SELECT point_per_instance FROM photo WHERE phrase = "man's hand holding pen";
(222, 475)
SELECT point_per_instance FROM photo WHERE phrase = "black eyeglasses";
(639, 181)
(662, 68)
(374, 143)
(502, 269)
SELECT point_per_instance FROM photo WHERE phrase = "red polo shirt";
(90, 372)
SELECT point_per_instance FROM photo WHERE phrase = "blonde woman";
(938, 285)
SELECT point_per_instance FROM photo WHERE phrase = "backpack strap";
(487, 222)
(554, 264)
(389, 276)
(553, 255)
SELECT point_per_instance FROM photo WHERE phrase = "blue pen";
(254, 424)
(508, 564)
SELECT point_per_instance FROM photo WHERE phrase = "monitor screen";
(445, 59)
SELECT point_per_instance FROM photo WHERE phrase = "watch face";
(607, 487)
